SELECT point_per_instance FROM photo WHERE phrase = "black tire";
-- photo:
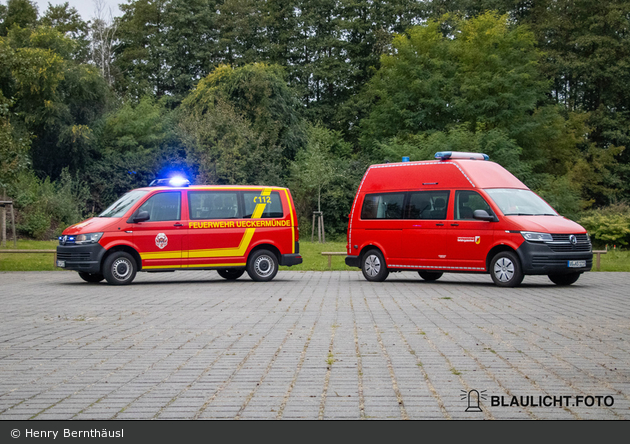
(262, 265)
(430, 275)
(91, 277)
(231, 273)
(564, 279)
(119, 268)
(373, 266)
(506, 270)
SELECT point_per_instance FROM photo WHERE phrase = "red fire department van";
(231, 229)
(460, 213)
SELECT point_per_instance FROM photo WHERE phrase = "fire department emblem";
(161, 240)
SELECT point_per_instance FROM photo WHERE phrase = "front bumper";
(540, 259)
(85, 258)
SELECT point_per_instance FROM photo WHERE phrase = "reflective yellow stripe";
(292, 222)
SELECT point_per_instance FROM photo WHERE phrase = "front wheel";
(262, 266)
(119, 268)
(564, 279)
(230, 273)
(505, 269)
(91, 277)
(373, 266)
(430, 275)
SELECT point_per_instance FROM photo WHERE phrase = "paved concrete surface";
(313, 345)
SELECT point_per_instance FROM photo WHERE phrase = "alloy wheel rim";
(121, 269)
(263, 266)
(504, 269)
(372, 265)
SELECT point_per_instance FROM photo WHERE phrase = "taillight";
(297, 234)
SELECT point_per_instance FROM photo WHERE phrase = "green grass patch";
(312, 259)
(615, 260)
(28, 261)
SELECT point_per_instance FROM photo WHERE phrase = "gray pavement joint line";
(427, 379)
(188, 360)
(118, 368)
(58, 357)
(390, 367)
(357, 352)
(183, 364)
(287, 395)
(208, 367)
(434, 347)
(61, 383)
(271, 362)
(236, 370)
(577, 332)
(333, 328)
(569, 383)
(490, 374)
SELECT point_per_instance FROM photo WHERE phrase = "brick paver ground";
(312, 345)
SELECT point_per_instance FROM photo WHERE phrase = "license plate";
(577, 264)
(61, 264)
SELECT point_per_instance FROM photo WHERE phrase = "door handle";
(439, 225)
(178, 225)
(454, 225)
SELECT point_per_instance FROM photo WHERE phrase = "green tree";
(22, 13)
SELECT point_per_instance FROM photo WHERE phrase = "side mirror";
(142, 216)
(483, 215)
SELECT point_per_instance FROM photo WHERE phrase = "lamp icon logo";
(474, 398)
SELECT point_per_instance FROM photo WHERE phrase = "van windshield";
(122, 205)
(515, 202)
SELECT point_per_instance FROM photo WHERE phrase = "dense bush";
(44, 208)
(609, 225)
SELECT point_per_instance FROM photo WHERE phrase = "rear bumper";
(290, 259)
(353, 261)
(85, 258)
(539, 259)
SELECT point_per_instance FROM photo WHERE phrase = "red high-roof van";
(460, 213)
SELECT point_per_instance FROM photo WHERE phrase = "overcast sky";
(85, 7)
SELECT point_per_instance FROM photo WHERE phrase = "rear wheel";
(505, 269)
(91, 277)
(430, 275)
(373, 266)
(564, 279)
(262, 265)
(119, 268)
(230, 273)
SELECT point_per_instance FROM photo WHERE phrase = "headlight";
(536, 237)
(89, 238)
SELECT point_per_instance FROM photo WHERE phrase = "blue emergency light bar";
(450, 155)
(170, 182)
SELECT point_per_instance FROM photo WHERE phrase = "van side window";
(427, 205)
(163, 206)
(383, 206)
(466, 202)
(213, 204)
(272, 203)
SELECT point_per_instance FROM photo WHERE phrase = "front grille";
(562, 243)
(541, 261)
(74, 257)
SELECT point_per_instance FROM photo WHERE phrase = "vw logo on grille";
(573, 239)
